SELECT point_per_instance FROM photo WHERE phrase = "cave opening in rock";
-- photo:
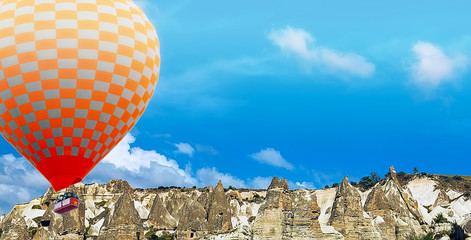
(45, 223)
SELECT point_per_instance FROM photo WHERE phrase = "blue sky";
(306, 90)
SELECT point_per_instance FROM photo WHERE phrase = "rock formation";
(269, 221)
(174, 202)
(15, 229)
(118, 186)
(123, 221)
(287, 216)
(43, 233)
(301, 216)
(442, 199)
(114, 210)
(219, 212)
(347, 214)
(388, 203)
(159, 216)
(194, 224)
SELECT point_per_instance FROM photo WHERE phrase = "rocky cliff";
(397, 207)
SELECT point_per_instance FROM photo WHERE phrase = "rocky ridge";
(389, 210)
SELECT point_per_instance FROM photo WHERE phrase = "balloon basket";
(66, 203)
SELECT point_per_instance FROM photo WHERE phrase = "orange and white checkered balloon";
(75, 76)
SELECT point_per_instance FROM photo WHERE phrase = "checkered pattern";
(75, 75)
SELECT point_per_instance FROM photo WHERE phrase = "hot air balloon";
(75, 77)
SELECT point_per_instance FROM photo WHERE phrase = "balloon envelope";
(75, 76)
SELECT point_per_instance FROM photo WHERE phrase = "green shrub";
(369, 181)
(151, 234)
(440, 218)
(375, 177)
(458, 178)
(335, 184)
(37, 207)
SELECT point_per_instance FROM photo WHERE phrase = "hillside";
(400, 206)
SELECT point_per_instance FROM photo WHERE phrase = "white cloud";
(19, 182)
(147, 168)
(206, 149)
(434, 67)
(272, 157)
(301, 44)
(305, 185)
(295, 41)
(133, 159)
(185, 148)
(210, 176)
(142, 168)
(260, 182)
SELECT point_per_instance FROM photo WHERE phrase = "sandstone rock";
(15, 229)
(442, 199)
(301, 216)
(118, 186)
(123, 222)
(112, 211)
(174, 203)
(467, 226)
(194, 195)
(277, 183)
(395, 212)
(233, 194)
(268, 224)
(159, 216)
(194, 223)
(234, 208)
(203, 199)
(269, 221)
(219, 215)
(48, 198)
(276, 194)
(69, 237)
(42, 234)
(379, 207)
(411, 204)
(73, 221)
(347, 215)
